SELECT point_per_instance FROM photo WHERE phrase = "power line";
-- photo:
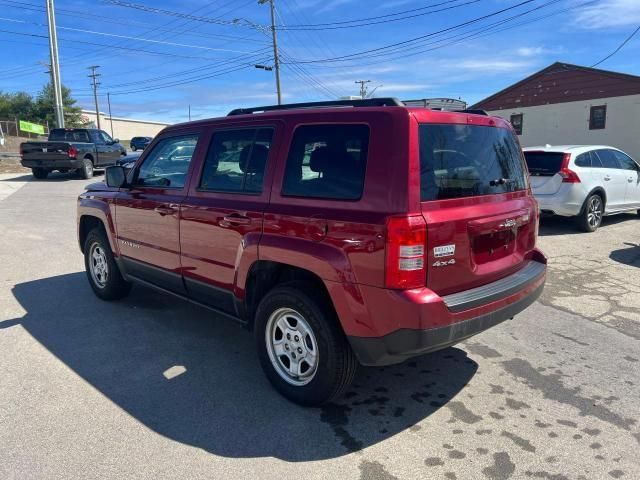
(391, 48)
(617, 49)
(340, 25)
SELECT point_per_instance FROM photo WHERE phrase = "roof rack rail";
(368, 102)
(473, 111)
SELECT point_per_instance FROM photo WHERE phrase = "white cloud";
(494, 66)
(609, 13)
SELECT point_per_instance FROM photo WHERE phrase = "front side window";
(327, 161)
(516, 122)
(598, 117)
(625, 161)
(468, 161)
(236, 160)
(167, 164)
(105, 137)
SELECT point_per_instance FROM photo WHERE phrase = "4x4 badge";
(445, 263)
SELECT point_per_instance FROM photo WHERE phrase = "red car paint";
(216, 239)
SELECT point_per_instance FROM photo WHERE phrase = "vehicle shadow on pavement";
(555, 225)
(195, 378)
(628, 256)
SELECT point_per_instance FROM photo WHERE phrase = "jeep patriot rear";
(363, 232)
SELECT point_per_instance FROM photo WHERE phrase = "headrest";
(320, 159)
(258, 160)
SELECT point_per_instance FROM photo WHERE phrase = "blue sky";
(201, 52)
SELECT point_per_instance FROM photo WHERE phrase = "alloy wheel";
(98, 265)
(594, 211)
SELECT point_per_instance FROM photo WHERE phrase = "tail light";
(568, 175)
(405, 264)
(72, 152)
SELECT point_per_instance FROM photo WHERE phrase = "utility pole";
(276, 57)
(363, 87)
(110, 116)
(95, 84)
(55, 65)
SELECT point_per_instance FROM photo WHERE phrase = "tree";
(44, 107)
(16, 105)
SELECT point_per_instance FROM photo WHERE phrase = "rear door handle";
(237, 220)
(607, 178)
(630, 179)
(169, 209)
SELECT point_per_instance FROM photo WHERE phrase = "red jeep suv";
(340, 233)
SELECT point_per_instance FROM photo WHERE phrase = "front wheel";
(591, 217)
(133, 148)
(302, 348)
(102, 270)
(40, 173)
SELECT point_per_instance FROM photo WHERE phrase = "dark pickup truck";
(78, 150)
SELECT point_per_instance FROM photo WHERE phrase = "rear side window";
(466, 161)
(236, 160)
(583, 160)
(327, 161)
(607, 158)
(544, 164)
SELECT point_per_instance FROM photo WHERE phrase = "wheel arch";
(91, 214)
(264, 275)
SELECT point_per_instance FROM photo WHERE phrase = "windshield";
(468, 160)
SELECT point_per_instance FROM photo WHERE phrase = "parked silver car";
(584, 181)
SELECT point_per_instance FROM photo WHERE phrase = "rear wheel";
(592, 212)
(40, 173)
(102, 271)
(86, 171)
(301, 347)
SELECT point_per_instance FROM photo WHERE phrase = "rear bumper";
(403, 344)
(567, 201)
(449, 319)
(65, 163)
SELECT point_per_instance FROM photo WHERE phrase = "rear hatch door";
(481, 218)
(544, 168)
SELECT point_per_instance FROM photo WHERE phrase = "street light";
(264, 67)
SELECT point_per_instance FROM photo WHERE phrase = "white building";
(124, 128)
(568, 104)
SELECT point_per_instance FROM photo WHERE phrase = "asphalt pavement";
(153, 387)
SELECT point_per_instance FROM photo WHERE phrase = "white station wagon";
(583, 181)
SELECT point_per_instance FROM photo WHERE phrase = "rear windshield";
(468, 160)
(60, 135)
(544, 164)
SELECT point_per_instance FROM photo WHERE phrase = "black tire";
(590, 217)
(336, 365)
(39, 173)
(133, 148)
(114, 286)
(86, 171)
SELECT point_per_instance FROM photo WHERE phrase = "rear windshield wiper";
(500, 181)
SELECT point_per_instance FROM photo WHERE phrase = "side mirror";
(115, 176)
(116, 140)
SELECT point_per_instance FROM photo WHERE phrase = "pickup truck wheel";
(102, 271)
(301, 347)
(591, 216)
(86, 171)
(40, 173)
